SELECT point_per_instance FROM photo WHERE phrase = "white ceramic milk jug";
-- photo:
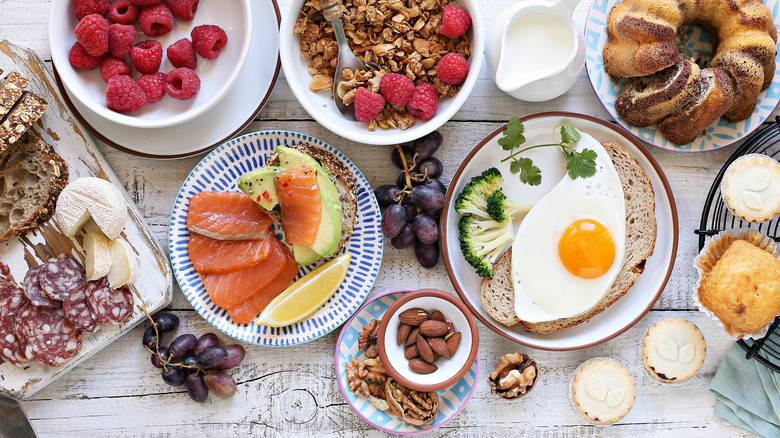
(534, 50)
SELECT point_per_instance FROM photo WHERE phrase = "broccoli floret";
(500, 208)
(482, 242)
(473, 198)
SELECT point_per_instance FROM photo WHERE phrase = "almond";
(411, 352)
(439, 345)
(433, 328)
(450, 328)
(420, 366)
(412, 338)
(453, 342)
(437, 316)
(403, 333)
(424, 349)
(413, 317)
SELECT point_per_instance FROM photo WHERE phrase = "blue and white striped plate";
(219, 171)
(718, 134)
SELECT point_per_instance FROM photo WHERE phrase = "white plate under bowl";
(321, 107)
(539, 128)
(219, 171)
(217, 76)
(207, 131)
(719, 134)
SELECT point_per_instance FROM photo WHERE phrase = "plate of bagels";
(542, 292)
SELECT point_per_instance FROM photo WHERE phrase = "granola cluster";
(396, 36)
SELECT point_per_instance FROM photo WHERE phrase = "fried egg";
(571, 245)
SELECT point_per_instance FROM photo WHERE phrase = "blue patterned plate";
(219, 170)
(452, 400)
(695, 44)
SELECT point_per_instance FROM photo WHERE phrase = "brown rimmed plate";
(232, 114)
(539, 128)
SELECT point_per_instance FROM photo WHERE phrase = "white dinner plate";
(219, 171)
(718, 134)
(226, 119)
(539, 130)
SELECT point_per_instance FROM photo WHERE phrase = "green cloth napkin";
(748, 394)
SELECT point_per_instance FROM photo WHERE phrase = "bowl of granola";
(422, 60)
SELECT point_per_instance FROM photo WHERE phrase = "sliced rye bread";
(32, 176)
(341, 177)
(498, 296)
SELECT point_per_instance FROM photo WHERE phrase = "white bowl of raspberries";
(407, 100)
(149, 63)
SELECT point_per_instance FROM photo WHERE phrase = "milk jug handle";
(569, 5)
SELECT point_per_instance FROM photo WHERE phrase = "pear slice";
(98, 251)
(124, 267)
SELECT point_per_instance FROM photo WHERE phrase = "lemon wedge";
(306, 295)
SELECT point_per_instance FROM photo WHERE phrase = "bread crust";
(498, 301)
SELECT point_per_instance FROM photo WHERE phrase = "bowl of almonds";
(427, 340)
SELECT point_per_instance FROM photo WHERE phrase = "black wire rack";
(716, 217)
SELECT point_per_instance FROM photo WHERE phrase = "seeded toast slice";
(341, 177)
(498, 295)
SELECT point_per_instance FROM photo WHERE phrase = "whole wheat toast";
(498, 295)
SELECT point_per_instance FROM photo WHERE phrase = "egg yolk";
(586, 249)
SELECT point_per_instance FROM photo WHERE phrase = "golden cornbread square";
(743, 288)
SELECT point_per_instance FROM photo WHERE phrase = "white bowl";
(320, 105)
(216, 76)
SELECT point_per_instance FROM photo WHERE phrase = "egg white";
(544, 289)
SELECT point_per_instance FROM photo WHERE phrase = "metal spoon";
(331, 11)
(15, 423)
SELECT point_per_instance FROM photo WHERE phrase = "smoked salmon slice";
(299, 199)
(227, 216)
(245, 312)
(231, 289)
(212, 256)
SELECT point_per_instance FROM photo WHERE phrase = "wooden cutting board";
(60, 129)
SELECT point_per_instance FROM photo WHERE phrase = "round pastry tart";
(673, 350)
(602, 391)
(751, 188)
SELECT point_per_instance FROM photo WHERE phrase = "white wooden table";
(293, 390)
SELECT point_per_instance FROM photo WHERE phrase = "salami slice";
(60, 276)
(11, 302)
(46, 335)
(77, 310)
(33, 291)
(109, 306)
(5, 272)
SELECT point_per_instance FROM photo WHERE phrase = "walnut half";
(415, 408)
(515, 375)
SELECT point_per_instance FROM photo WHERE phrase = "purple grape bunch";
(413, 204)
(198, 363)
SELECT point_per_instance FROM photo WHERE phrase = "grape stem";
(409, 178)
(156, 351)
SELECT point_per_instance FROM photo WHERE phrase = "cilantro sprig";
(578, 164)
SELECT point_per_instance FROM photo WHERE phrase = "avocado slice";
(259, 185)
(329, 233)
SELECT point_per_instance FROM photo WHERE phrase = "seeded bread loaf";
(498, 295)
(32, 176)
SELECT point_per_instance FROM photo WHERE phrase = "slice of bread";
(498, 295)
(341, 177)
(32, 176)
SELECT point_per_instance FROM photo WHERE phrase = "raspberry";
(397, 88)
(452, 69)
(86, 7)
(454, 21)
(145, 2)
(111, 67)
(424, 102)
(120, 39)
(153, 85)
(123, 95)
(79, 58)
(183, 9)
(146, 56)
(155, 20)
(368, 105)
(92, 33)
(182, 54)
(182, 83)
(123, 12)
(208, 40)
